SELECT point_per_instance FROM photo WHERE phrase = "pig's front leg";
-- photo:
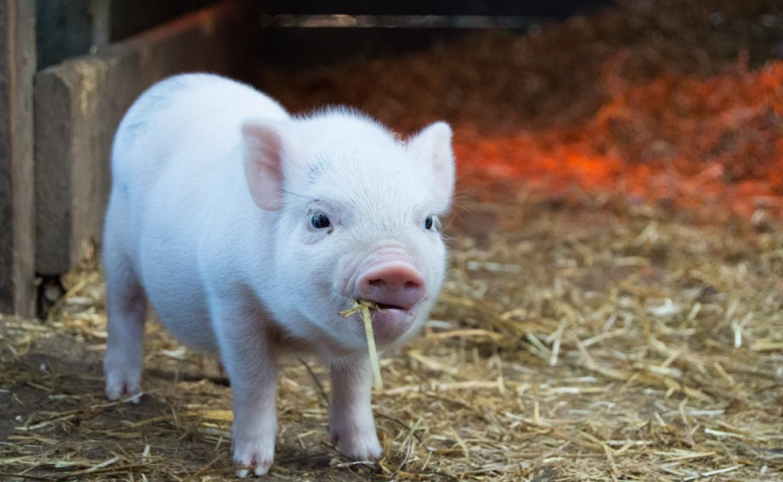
(350, 410)
(250, 361)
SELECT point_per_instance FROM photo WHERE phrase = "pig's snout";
(392, 284)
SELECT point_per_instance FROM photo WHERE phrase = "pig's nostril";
(411, 285)
(378, 283)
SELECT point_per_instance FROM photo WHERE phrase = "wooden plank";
(17, 224)
(537, 8)
(80, 102)
(299, 34)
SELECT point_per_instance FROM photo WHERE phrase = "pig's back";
(193, 118)
(176, 145)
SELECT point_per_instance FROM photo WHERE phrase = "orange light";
(682, 139)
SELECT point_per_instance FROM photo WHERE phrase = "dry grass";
(589, 336)
(576, 339)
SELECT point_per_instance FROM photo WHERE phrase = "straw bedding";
(595, 325)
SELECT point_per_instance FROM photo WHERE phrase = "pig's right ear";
(263, 152)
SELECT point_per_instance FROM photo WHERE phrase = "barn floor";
(620, 323)
(577, 339)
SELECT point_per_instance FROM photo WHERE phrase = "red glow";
(685, 140)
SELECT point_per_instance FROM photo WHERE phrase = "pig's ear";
(433, 145)
(263, 151)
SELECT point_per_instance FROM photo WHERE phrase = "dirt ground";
(578, 338)
(588, 330)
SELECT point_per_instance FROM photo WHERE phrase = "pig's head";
(357, 219)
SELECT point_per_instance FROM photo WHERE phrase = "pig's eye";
(320, 221)
(432, 222)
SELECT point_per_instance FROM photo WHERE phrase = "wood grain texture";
(80, 102)
(17, 225)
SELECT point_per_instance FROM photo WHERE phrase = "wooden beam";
(80, 102)
(17, 222)
(490, 8)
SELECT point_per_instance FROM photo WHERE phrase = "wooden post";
(17, 221)
(80, 102)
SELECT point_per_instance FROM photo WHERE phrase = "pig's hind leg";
(127, 310)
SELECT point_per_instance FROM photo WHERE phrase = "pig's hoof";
(257, 459)
(360, 446)
(258, 471)
(121, 384)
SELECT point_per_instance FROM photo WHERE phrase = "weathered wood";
(539, 8)
(393, 27)
(80, 102)
(17, 222)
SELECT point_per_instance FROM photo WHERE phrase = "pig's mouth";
(390, 322)
(386, 306)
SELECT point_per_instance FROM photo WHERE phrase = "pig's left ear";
(433, 145)
(263, 153)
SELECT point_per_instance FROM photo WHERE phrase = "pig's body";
(173, 181)
(249, 230)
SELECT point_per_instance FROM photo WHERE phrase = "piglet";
(249, 230)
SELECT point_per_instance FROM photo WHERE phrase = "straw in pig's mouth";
(364, 307)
